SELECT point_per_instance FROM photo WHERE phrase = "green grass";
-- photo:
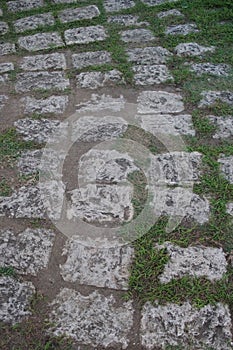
(5, 189)
(7, 271)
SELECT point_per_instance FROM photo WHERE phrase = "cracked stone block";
(41, 80)
(226, 167)
(3, 99)
(107, 267)
(197, 261)
(151, 74)
(24, 5)
(33, 22)
(7, 49)
(95, 320)
(6, 67)
(173, 12)
(187, 326)
(85, 35)
(94, 58)
(230, 208)
(76, 14)
(159, 102)
(15, 299)
(182, 29)
(95, 80)
(102, 102)
(192, 49)
(115, 6)
(137, 35)
(219, 70)
(52, 104)
(126, 20)
(28, 252)
(3, 28)
(148, 55)
(223, 124)
(43, 62)
(211, 97)
(40, 41)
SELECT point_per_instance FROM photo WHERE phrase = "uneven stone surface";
(107, 267)
(15, 298)
(126, 20)
(211, 97)
(230, 208)
(159, 102)
(95, 320)
(224, 126)
(85, 35)
(52, 104)
(137, 35)
(41, 80)
(192, 49)
(182, 29)
(184, 325)
(43, 62)
(226, 166)
(94, 58)
(114, 6)
(197, 261)
(156, 2)
(7, 48)
(220, 69)
(102, 102)
(148, 55)
(40, 41)
(28, 252)
(29, 162)
(173, 12)
(3, 28)
(6, 67)
(151, 74)
(80, 13)
(33, 22)
(94, 80)
(23, 5)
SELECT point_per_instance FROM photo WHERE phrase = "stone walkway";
(59, 76)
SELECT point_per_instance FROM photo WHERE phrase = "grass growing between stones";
(7, 271)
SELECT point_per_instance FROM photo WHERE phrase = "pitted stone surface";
(137, 35)
(107, 267)
(85, 35)
(15, 299)
(40, 41)
(86, 59)
(29, 162)
(197, 261)
(230, 208)
(41, 80)
(148, 55)
(102, 102)
(172, 13)
(114, 6)
(192, 49)
(95, 320)
(224, 125)
(226, 167)
(159, 102)
(52, 104)
(6, 67)
(220, 69)
(211, 97)
(43, 62)
(186, 326)
(94, 80)
(3, 28)
(23, 5)
(7, 48)
(156, 2)
(151, 74)
(182, 29)
(126, 20)
(33, 22)
(28, 252)
(80, 13)
(3, 99)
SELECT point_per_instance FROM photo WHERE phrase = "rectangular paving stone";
(217, 69)
(126, 20)
(159, 102)
(148, 55)
(223, 124)
(80, 13)
(7, 49)
(52, 104)
(87, 59)
(210, 98)
(42, 62)
(33, 22)
(40, 41)
(41, 80)
(101, 103)
(151, 74)
(23, 5)
(6, 67)
(156, 2)
(192, 49)
(85, 35)
(3, 28)
(94, 80)
(182, 29)
(168, 13)
(115, 6)
(137, 36)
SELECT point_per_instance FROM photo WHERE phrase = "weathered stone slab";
(151, 74)
(230, 208)
(137, 35)
(28, 252)
(6, 67)
(224, 125)
(197, 261)
(126, 20)
(77, 14)
(7, 49)
(173, 13)
(182, 29)
(192, 49)
(15, 299)
(52, 104)
(41, 80)
(42, 62)
(107, 267)
(115, 6)
(33, 22)
(94, 80)
(211, 97)
(29, 162)
(186, 326)
(156, 2)
(102, 102)
(95, 320)
(226, 167)
(94, 58)
(3, 99)
(148, 55)
(219, 70)
(24, 5)
(159, 102)
(3, 28)
(40, 41)
(85, 35)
